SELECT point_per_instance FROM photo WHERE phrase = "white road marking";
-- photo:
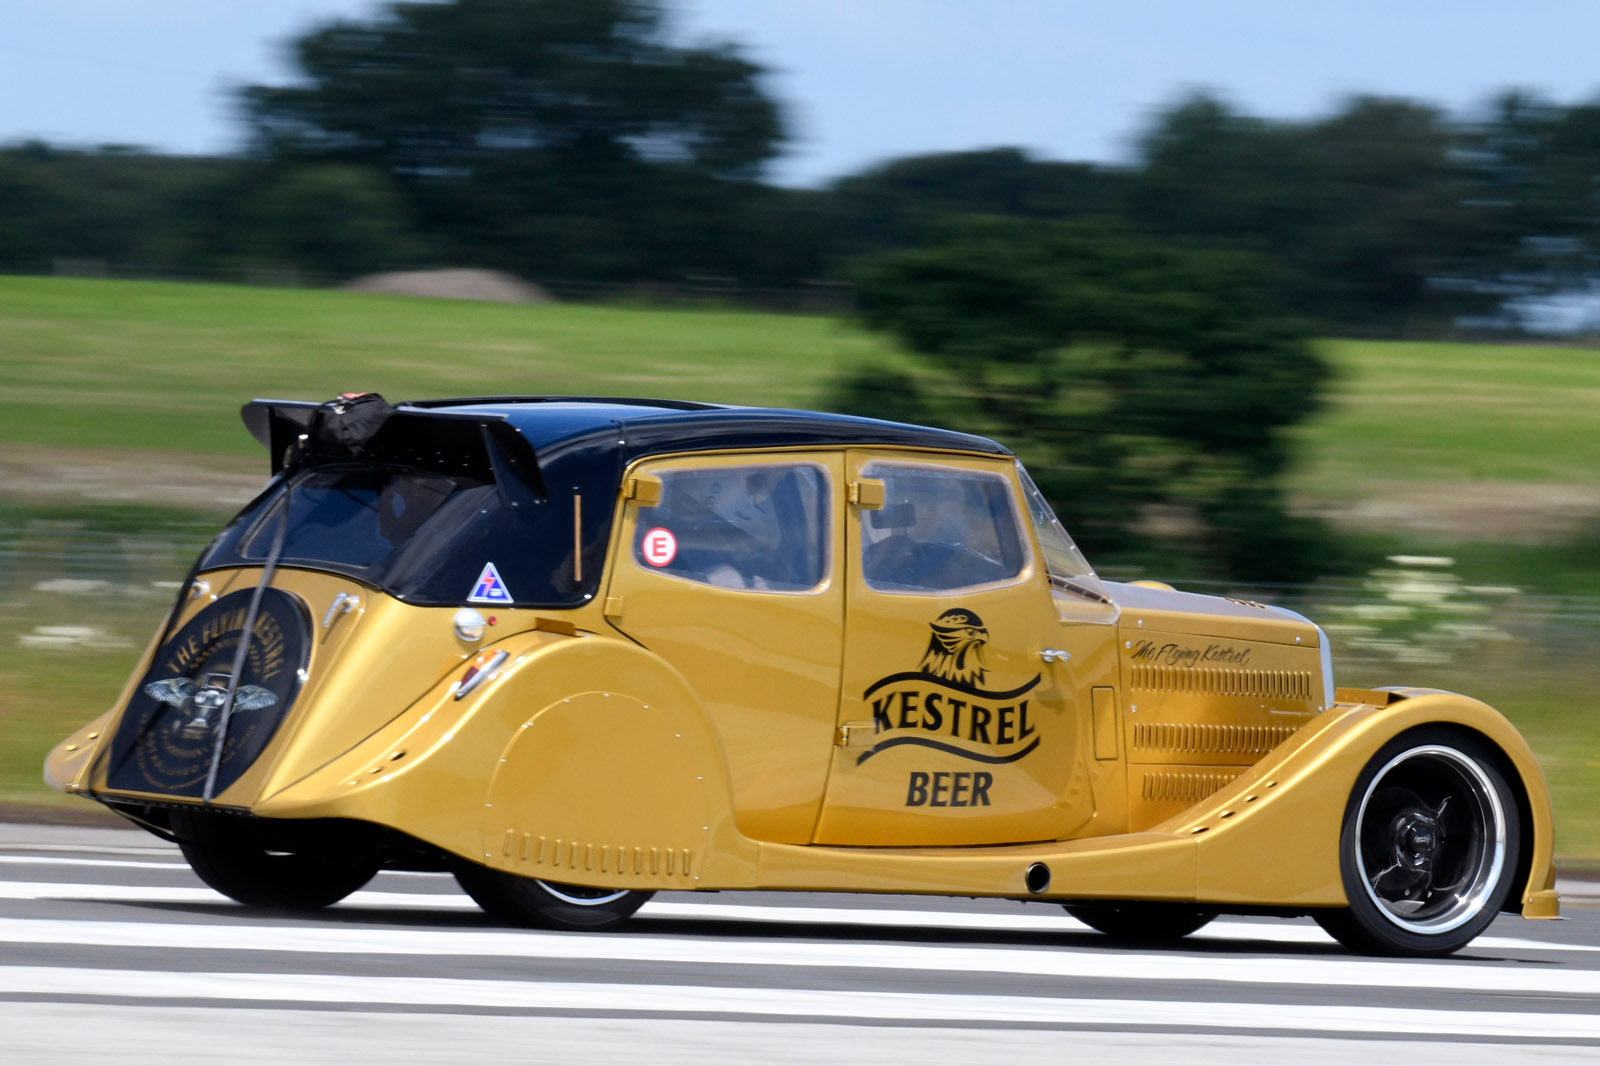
(326, 989)
(198, 894)
(149, 1034)
(55, 860)
(1118, 965)
(1273, 932)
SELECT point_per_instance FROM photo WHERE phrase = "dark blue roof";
(652, 426)
(561, 434)
(546, 454)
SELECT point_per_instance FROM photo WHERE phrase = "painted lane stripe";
(1282, 932)
(1118, 965)
(1572, 891)
(815, 1004)
(123, 864)
(197, 894)
(978, 921)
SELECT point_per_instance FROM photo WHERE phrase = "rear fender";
(541, 773)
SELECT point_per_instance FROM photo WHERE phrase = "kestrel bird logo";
(955, 650)
(198, 702)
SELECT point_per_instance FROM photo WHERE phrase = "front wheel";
(1141, 922)
(546, 904)
(1427, 849)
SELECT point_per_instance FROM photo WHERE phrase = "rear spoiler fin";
(482, 446)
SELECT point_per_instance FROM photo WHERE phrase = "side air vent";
(1211, 739)
(595, 858)
(1211, 681)
(1183, 787)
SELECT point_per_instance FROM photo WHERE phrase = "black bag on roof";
(343, 427)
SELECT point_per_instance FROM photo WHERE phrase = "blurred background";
(1272, 304)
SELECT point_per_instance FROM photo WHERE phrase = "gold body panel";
(668, 735)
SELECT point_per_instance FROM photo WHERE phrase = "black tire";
(546, 904)
(282, 881)
(1428, 846)
(1141, 921)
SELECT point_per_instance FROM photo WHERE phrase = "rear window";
(355, 518)
(420, 535)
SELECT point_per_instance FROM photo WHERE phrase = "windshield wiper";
(1082, 590)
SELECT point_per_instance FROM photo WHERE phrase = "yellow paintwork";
(675, 735)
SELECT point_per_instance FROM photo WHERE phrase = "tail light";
(481, 669)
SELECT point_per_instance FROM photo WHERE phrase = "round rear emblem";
(171, 727)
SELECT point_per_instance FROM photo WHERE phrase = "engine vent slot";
(1214, 681)
(1183, 788)
(1210, 739)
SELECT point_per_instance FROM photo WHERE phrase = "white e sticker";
(659, 546)
(490, 589)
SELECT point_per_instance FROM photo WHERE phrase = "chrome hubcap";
(582, 895)
(1431, 834)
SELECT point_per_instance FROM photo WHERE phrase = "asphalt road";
(111, 951)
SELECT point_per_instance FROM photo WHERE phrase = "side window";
(744, 527)
(940, 529)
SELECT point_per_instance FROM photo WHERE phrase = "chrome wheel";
(1429, 841)
(1432, 831)
(546, 904)
(582, 895)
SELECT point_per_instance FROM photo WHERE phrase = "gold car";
(580, 650)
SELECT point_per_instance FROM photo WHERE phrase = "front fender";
(1272, 836)
(542, 773)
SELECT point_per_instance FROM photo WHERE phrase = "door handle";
(1055, 655)
(343, 603)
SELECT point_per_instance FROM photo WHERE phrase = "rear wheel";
(1427, 849)
(546, 904)
(283, 881)
(1141, 922)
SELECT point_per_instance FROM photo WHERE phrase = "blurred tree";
(130, 209)
(1369, 213)
(1148, 388)
(551, 136)
(903, 202)
(328, 219)
(1536, 166)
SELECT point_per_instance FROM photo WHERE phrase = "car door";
(726, 569)
(962, 715)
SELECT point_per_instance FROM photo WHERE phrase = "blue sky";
(864, 80)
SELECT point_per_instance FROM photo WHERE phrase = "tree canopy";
(1144, 384)
(442, 90)
(566, 132)
(585, 142)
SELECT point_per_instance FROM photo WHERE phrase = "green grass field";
(106, 369)
(1410, 412)
(155, 365)
(152, 365)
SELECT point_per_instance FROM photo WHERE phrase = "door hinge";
(855, 734)
(867, 493)
(643, 489)
(613, 607)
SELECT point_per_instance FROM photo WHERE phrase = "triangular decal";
(490, 589)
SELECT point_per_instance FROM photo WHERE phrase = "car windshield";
(1062, 557)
